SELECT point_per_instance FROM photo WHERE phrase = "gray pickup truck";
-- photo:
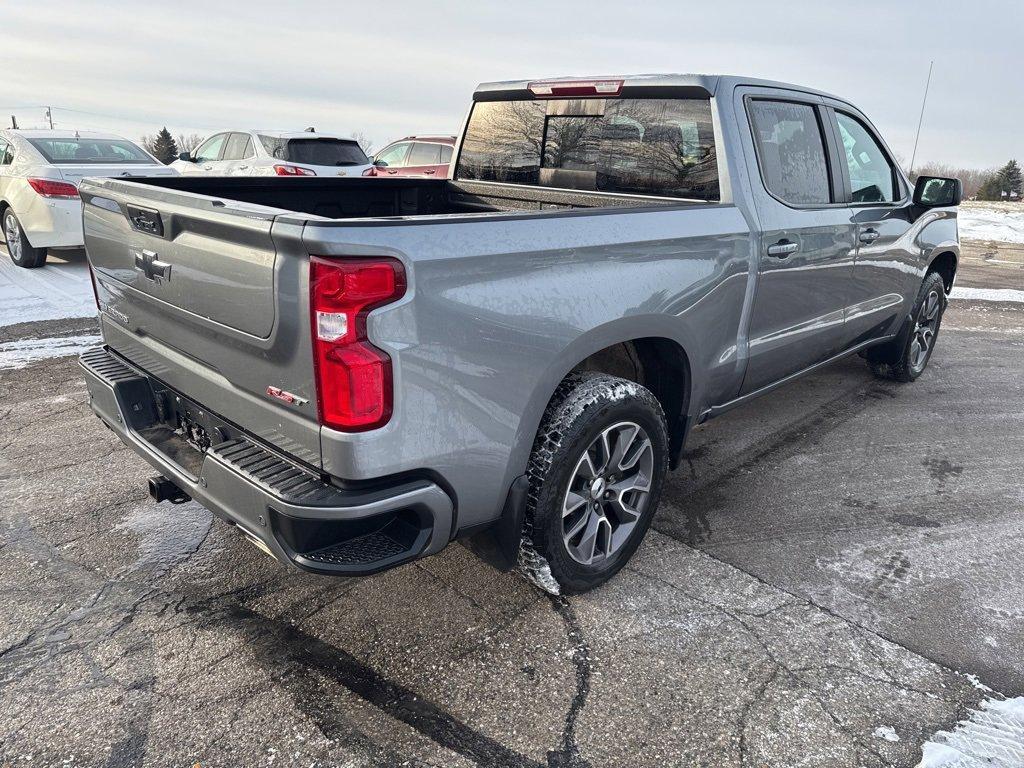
(357, 371)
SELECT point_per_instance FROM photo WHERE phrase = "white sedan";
(39, 175)
(274, 153)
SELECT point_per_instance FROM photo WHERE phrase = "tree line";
(982, 184)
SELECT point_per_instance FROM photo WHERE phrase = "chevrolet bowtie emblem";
(149, 265)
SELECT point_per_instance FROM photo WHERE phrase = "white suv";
(274, 153)
(39, 176)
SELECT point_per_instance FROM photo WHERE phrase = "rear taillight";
(293, 170)
(353, 377)
(51, 188)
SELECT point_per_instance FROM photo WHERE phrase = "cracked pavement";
(829, 561)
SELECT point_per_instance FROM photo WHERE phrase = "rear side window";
(5, 152)
(324, 152)
(446, 153)
(83, 151)
(662, 147)
(424, 154)
(871, 174)
(239, 147)
(791, 151)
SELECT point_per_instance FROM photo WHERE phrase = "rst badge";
(286, 397)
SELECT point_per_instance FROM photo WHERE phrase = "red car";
(414, 156)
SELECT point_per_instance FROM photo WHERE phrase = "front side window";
(871, 174)
(791, 151)
(61, 151)
(662, 147)
(393, 157)
(210, 149)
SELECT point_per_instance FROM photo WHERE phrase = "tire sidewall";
(578, 435)
(30, 257)
(932, 282)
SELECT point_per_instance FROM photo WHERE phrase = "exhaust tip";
(162, 489)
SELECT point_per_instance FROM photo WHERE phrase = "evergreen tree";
(163, 147)
(991, 188)
(1010, 177)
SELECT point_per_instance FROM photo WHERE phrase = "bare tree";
(364, 141)
(188, 141)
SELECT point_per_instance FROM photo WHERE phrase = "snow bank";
(991, 737)
(987, 294)
(18, 354)
(1003, 224)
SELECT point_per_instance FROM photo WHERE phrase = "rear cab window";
(61, 151)
(640, 146)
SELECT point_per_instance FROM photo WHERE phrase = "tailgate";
(208, 295)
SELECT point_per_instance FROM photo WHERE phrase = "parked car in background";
(39, 175)
(274, 153)
(415, 156)
(355, 372)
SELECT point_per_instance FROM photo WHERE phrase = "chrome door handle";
(782, 249)
(428, 173)
(869, 235)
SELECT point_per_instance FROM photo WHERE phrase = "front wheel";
(595, 475)
(906, 358)
(18, 247)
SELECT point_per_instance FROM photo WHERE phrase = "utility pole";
(49, 117)
(14, 122)
(920, 120)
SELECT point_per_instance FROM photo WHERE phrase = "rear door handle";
(431, 171)
(782, 249)
(869, 235)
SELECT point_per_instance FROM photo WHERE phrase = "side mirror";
(380, 163)
(186, 157)
(937, 192)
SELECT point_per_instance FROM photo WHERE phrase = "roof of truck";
(709, 83)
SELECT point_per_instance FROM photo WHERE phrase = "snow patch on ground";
(1002, 225)
(18, 354)
(886, 732)
(59, 290)
(988, 294)
(992, 736)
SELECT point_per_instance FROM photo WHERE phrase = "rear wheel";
(905, 359)
(595, 477)
(18, 247)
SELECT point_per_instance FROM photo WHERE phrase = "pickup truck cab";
(356, 372)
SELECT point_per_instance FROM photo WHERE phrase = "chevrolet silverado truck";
(357, 372)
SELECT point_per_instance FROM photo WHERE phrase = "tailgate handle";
(146, 220)
(151, 267)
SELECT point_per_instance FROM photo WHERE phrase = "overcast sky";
(390, 69)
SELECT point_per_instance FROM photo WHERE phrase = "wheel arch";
(945, 262)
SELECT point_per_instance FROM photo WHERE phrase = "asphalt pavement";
(833, 576)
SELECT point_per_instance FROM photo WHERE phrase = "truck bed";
(360, 198)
